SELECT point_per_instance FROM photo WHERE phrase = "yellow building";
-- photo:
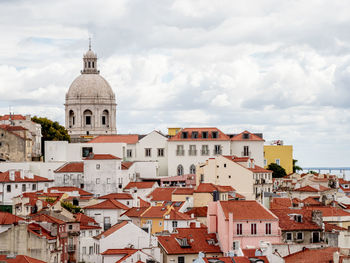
(279, 154)
(173, 131)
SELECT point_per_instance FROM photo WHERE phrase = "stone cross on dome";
(90, 62)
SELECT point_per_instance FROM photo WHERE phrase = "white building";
(70, 174)
(14, 183)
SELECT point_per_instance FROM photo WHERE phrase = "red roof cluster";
(5, 177)
(122, 138)
(71, 167)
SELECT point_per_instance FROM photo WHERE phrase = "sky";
(281, 68)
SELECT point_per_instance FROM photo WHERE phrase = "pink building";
(242, 224)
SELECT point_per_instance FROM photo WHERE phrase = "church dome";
(90, 86)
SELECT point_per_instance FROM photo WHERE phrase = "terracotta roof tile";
(122, 138)
(140, 185)
(20, 259)
(65, 189)
(322, 255)
(258, 169)
(5, 177)
(161, 194)
(102, 157)
(154, 212)
(71, 167)
(135, 211)
(209, 188)
(328, 211)
(183, 191)
(108, 204)
(116, 196)
(252, 137)
(37, 230)
(221, 136)
(9, 219)
(15, 117)
(111, 230)
(246, 210)
(119, 251)
(287, 222)
(126, 165)
(280, 203)
(197, 239)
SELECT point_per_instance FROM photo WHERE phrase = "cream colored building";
(90, 103)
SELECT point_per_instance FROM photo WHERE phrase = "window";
(180, 170)
(8, 187)
(86, 151)
(129, 153)
(34, 187)
(202, 178)
(192, 151)
(217, 149)
(24, 187)
(289, 236)
(180, 150)
(97, 180)
(88, 120)
(192, 169)
(205, 150)
(225, 165)
(184, 135)
(98, 166)
(90, 233)
(235, 245)
(205, 135)
(160, 223)
(253, 229)
(298, 218)
(91, 250)
(103, 120)
(239, 229)
(70, 227)
(84, 250)
(245, 151)
(108, 180)
(83, 233)
(214, 135)
(149, 222)
(160, 152)
(194, 135)
(174, 224)
(246, 136)
(265, 162)
(278, 161)
(181, 259)
(148, 152)
(268, 228)
(300, 236)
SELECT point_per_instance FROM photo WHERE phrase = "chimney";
(198, 224)
(192, 215)
(317, 217)
(12, 175)
(28, 117)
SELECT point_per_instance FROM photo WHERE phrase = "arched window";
(105, 118)
(87, 118)
(180, 170)
(71, 119)
(192, 169)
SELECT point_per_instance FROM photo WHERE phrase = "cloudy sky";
(277, 67)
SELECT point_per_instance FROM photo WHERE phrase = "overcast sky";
(277, 67)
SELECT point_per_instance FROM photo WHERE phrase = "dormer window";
(205, 135)
(246, 136)
(194, 135)
(298, 218)
(184, 135)
(214, 134)
(183, 242)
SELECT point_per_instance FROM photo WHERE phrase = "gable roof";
(221, 136)
(154, 212)
(5, 177)
(198, 211)
(9, 219)
(126, 165)
(209, 188)
(321, 255)
(108, 204)
(309, 188)
(197, 239)
(111, 230)
(246, 210)
(135, 211)
(120, 138)
(252, 137)
(71, 167)
(140, 185)
(102, 157)
(126, 196)
(161, 194)
(183, 191)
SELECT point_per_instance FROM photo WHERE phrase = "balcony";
(217, 152)
(180, 152)
(205, 152)
(192, 152)
(246, 154)
(71, 248)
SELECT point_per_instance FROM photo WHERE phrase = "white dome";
(90, 86)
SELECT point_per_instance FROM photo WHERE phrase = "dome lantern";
(90, 62)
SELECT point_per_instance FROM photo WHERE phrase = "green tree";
(51, 131)
(277, 170)
(71, 208)
(296, 168)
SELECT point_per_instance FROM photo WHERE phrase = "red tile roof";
(126, 165)
(39, 231)
(161, 194)
(102, 157)
(65, 189)
(12, 128)
(15, 117)
(71, 167)
(309, 188)
(108, 204)
(119, 251)
(322, 255)
(176, 215)
(135, 211)
(236, 158)
(144, 203)
(183, 191)
(154, 212)
(116, 196)
(209, 188)
(84, 219)
(222, 259)
(328, 211)
(140, 185)
(9, 219)
(258, 169)
(20, 259)
(46, 218)
(198, 211)
(197, 239)
(287, 222)
(111, 230)
(312, 200)
(280, 203)
(122, 138)
(252, 137)
(246, 210)
(330, 227)
(221, 136)
(5, 177)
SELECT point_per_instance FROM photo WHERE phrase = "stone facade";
(90, 103)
